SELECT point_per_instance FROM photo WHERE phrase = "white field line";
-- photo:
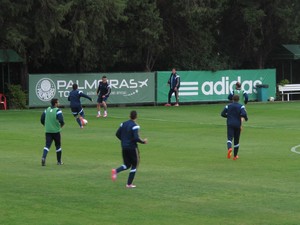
(66, 113)
(294, 149)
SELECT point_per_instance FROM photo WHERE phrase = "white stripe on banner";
(189, 89)
(188, 93)
(189, 83)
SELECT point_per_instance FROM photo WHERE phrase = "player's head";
(236, 98)
(133, 115)
(104, 79)
(174, 70)
(75, 86)
(54, 102)
(238, 85)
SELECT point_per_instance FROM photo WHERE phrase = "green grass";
(184, 176)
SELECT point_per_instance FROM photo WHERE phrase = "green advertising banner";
(126, 88)
(210, 86)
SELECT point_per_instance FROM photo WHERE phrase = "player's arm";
(118, 133)
(60, 118)
(136, 136)
(108, 91)
(230, 95)
(224, 112)
(244, 113)
(169, 81)
(43, 117)
(85, 96)
(98, 89)
(178, 82)
(245, 97)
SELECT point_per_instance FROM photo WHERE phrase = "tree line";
(146, 35)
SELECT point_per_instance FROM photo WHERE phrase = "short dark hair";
(238, 84)
(54, 101)
(236, 98)
(74, 86)
(133, 115)
(104, 76)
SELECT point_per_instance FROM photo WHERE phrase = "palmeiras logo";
(45, 89)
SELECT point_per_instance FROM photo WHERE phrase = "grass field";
(184, 176)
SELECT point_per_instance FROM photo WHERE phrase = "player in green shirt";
(240, 92)
(53, 120)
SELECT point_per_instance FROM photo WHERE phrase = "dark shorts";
(50, 137)
(77, 110)
(101, 99)
(131, 157)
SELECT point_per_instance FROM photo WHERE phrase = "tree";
(142, 32)
(192, 29)
(251, 30)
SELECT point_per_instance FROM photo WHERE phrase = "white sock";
(99, 113)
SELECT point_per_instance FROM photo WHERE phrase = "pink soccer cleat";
(113, 174)
(229, 153)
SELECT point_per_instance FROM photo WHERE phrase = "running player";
(129, 137)
(75, 104)
(235, 114)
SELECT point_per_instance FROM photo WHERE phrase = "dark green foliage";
(17, 97)
(146, 35)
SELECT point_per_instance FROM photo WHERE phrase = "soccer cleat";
(98, 115)
(130, 186)
(43, 162)
(81, 120)
(176, 104)
(105, 115)
(229, 153)
(113, 174)
(60, 163)
(81, 127)
(167, 104)
(235, 157)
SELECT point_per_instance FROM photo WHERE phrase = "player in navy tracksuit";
(235, 114)
(129, 137)
(75, 104)
(103, 92)
(174, 82)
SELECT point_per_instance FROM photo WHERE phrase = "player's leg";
(230, 133)
(81, 117)
(49, 139)
(177, 97)
(57, 141)
(134, 158)
(104, 107)
(126, 165)
(237, 133)
(75, 112)
(170, 95)
(99, 101)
